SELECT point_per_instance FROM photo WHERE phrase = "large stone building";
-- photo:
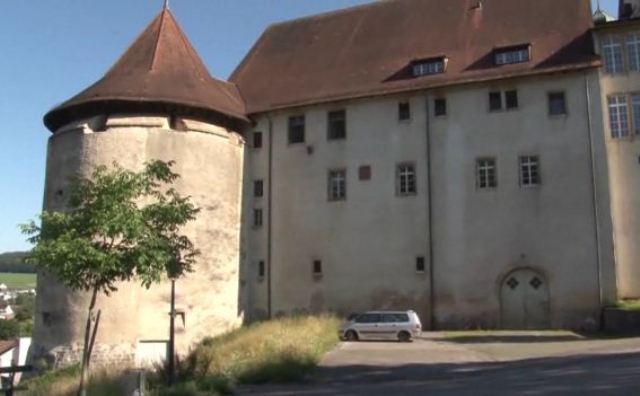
(471, 160)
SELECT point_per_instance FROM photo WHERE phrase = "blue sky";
(52, 49)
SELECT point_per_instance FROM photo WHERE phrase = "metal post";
(172, 328)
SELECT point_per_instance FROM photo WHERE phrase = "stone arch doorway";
(524, 300)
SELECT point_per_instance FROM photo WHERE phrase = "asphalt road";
(527, 366)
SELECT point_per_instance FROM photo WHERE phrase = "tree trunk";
(86, 352)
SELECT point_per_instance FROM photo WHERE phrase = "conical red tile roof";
(160, 72)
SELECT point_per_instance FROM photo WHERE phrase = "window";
(317, 267)
(633, 51)
(618, 116)
(364, 172)
(420, 264)
(261, 269)
(257, 218)
(486, 174)
(519, 54)
(257, 140)
(429, 66)
(337, 185)
(258, 188)
(529, 171)
(337, 121)
(404, 111)
(612, 54)
(495, 101)
(635, 110)
(557, 104)
(511, 99)
(296, 129)
(406, 179)
(440, 107)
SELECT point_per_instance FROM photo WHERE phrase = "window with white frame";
(429, 66)
(486, 175)
(633, 51)
(529, 171)
(612, 54)
(337, 186)
(513, 55)
(406, 179)
(618, 116)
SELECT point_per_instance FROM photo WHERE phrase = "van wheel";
(403, 336)
(351, 336)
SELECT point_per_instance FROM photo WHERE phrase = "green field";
(18, 281)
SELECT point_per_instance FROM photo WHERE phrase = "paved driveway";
(503, 364)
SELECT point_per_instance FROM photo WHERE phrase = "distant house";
(6, 312)
(13, 353)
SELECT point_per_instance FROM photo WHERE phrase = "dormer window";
(511, 55)
(428, 67)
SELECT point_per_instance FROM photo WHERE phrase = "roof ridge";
(157, 43)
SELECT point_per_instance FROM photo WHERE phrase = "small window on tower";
(261, 269)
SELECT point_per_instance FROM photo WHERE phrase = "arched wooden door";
(524, 298)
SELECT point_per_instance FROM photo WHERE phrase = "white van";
(381, 325)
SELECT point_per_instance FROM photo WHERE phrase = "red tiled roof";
(367, 50)
(160, 71)
(6, 346)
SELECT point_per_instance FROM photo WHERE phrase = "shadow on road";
(614, 374)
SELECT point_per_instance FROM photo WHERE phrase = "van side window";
(402, 318)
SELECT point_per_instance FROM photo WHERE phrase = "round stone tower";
(157, 102)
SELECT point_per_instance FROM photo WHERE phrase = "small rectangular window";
(440, 107)
(557, 104)
(429, 66)
(337, 185)
(529, 171)
(511, 99)
(296, 129)
(317, 267)
(404, 111)
(512, 55)
(486, 175)
(337, 121)
(618, 116)
(257, 140)
(420, 266)
(261, 269)
(406, 179)
(258, 188)
(495, 101)
(257, 218)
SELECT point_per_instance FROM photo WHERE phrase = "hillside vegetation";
(13, 262)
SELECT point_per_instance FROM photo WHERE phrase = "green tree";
(119, 225)
(9, 329)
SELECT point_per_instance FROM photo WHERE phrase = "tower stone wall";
(134, 320)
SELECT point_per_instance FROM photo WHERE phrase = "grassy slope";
(275, 351)
(18, 281)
